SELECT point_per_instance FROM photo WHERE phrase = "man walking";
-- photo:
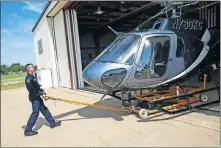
(35, 93)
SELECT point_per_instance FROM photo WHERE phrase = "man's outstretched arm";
(37, 86)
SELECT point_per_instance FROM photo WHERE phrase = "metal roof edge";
(43, 12)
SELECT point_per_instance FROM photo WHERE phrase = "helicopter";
(170, 51)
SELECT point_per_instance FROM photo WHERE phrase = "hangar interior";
(94, 16)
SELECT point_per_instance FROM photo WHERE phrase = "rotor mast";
(174, 6)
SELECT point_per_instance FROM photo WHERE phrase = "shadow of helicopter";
(90, 112)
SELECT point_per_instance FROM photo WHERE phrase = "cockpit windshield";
(121, 50)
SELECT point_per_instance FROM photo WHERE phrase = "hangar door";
(61, 47)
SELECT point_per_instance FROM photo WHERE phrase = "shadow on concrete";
(88, 113)
(152, 118)
(209, 112)
(39, 123)
(92, 112)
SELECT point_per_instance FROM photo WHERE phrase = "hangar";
(70, 34)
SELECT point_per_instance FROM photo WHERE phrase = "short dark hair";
(27, 65)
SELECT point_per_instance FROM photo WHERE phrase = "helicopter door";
(152, 59)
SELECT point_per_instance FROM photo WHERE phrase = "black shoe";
(31, 133)
(58, 123)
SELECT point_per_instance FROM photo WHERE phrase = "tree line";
(14, 68)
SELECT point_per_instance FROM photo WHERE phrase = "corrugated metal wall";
(72, 50)
(211, 14)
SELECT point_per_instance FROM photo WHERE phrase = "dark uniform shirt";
(33, 87)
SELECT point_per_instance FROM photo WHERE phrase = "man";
(35, 93)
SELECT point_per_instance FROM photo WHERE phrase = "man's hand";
(44, 96)
(41, 91)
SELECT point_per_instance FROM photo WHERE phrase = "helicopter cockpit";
(133, 59)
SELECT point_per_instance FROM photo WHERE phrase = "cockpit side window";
(180, 47)
(146, 55)
(154, 58)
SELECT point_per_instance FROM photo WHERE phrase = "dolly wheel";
(143, 113)
(203, 98)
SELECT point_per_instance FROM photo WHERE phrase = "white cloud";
(37, 7)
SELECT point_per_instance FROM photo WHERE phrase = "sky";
(17, 21)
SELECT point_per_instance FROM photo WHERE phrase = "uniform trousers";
(38, 105)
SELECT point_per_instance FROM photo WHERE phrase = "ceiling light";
(99, 11)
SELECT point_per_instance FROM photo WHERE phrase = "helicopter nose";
(104, 75)
(92, 76)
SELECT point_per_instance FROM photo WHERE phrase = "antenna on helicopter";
(115, 32)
